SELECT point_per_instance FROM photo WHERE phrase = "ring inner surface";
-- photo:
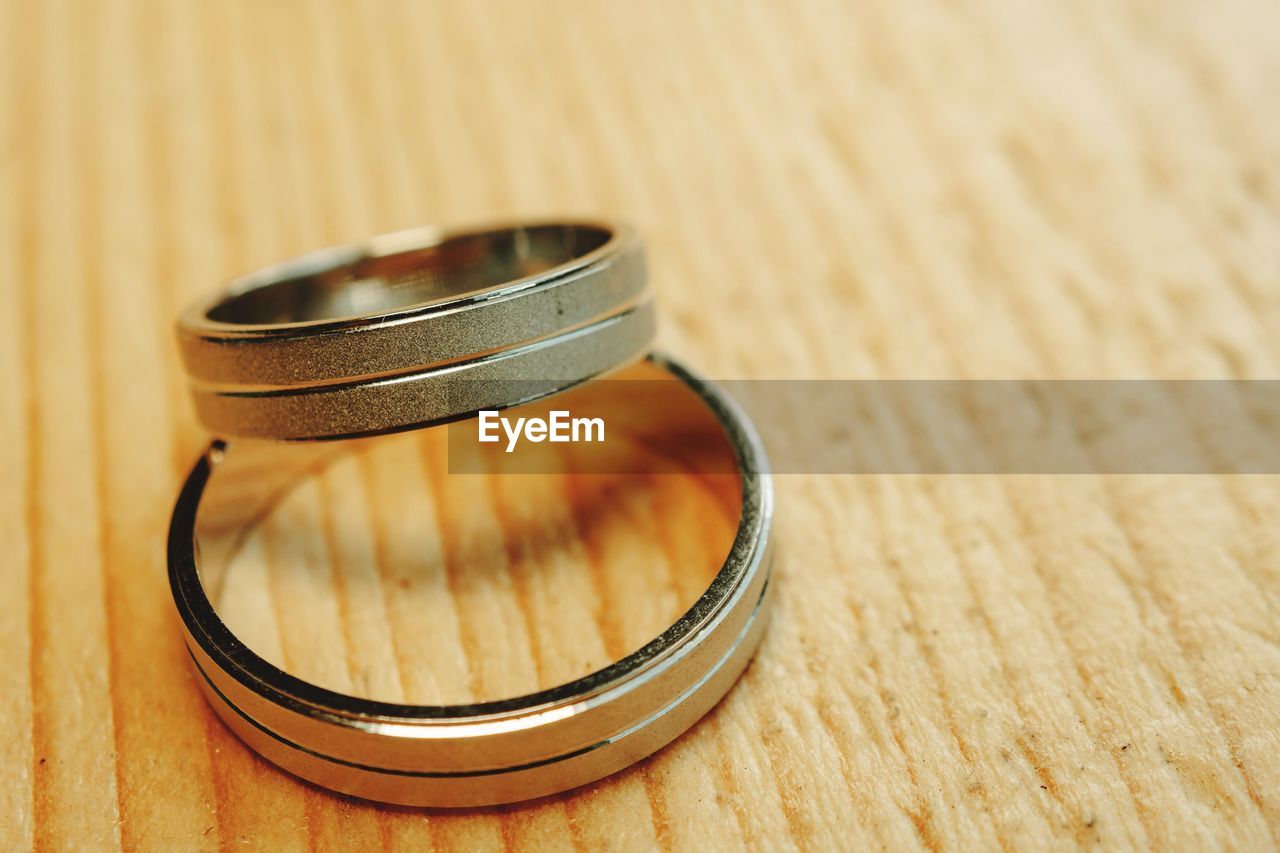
(378, 283)
(421, 569)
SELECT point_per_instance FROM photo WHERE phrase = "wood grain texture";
(871, 190)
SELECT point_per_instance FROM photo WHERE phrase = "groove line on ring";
(417, 371)
(564, 756)
(248, 389)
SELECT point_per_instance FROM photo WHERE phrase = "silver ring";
(361, 340)
(492, 752)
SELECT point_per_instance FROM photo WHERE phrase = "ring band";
(436, 395)
(491, 752)
(278, 353)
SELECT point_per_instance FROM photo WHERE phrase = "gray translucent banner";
(917, 426)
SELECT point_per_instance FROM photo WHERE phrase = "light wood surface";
(828, 190)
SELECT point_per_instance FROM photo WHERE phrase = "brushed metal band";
(317, 347)
(492, 752)
(432, 396)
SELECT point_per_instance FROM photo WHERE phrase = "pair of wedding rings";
(412, 330)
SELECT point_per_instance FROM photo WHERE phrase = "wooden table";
(872, 190)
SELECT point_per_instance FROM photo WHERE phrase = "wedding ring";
(435, 395)
(366, 339)
(490, 752)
